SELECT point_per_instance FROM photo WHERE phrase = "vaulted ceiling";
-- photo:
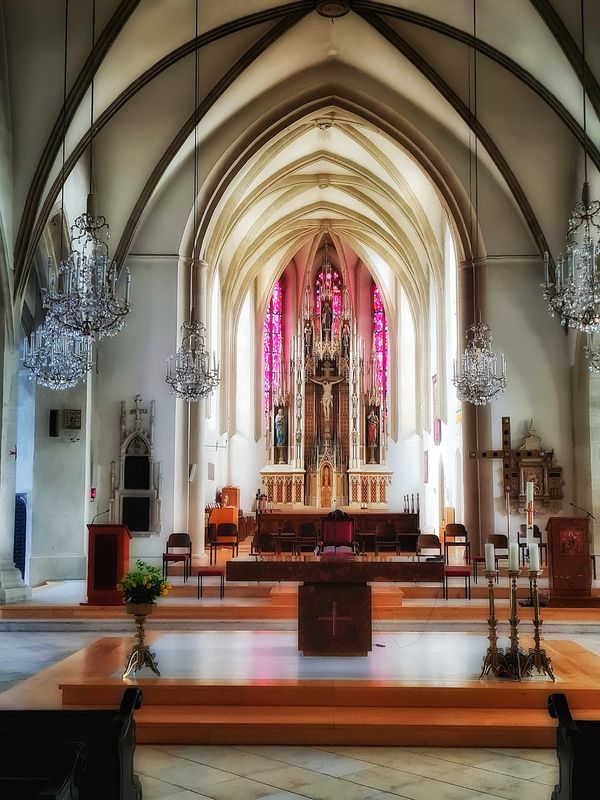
(361, 125)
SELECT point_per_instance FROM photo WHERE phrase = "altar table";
(334, 600)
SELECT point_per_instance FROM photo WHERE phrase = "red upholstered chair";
(337, 538)
(180, 541)
(457, 572)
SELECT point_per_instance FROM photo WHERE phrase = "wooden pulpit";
(569, 563)
(108, 560)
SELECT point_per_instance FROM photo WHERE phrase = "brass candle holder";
(517, 659)
(141, 655)
(494, 660)
(537, 658)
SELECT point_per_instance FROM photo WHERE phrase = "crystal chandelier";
(477, 378)
(189, 372)
(592, 353)
(58, 358)
(85, 297)
(575, 294)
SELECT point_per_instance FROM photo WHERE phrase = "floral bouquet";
(143, 584)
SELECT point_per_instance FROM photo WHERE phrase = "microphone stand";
(99, 514)
(585, 511)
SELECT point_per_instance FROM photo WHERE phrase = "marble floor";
(287, 773)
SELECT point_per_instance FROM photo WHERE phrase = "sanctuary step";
(446, 712)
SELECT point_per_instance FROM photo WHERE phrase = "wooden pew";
(577, 747)
(33, 744)
(33, 780)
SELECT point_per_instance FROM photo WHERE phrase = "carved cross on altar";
(138, 411)
(334, 617)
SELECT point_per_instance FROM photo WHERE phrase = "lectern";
(569, 563)
(108, 559)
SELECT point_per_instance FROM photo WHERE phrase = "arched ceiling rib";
(164, 25)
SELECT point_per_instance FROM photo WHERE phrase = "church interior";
(301, 309)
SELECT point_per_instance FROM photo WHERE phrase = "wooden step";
(320, 725)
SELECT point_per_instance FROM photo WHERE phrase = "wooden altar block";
(569, 563)
(108, 561)
(334, 619)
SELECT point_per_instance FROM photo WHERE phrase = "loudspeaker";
(53, 422)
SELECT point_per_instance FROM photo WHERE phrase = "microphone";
(579, 508)
(99, 514)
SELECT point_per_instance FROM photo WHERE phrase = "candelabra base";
(495, 663)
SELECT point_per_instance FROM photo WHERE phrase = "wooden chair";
(577, 745)
(263, 543)
(537, 535)
(211, 572)
(181, 541)
(306, 538)
(386, 538)
(428, 541)
(226, 536)
(457, 572)
(455, 530)
(466, 546)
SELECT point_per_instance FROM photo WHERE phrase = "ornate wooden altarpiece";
(529, 462)
(136, 481)
(327, 433)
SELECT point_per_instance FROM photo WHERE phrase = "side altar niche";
(327, 430)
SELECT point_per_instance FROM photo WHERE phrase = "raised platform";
(253, 687)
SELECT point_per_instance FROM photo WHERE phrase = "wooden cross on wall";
(506, 454)
(511, 459)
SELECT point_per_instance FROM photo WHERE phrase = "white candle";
(529, 492)
(534, 557)
(513, 557)
(489, 558)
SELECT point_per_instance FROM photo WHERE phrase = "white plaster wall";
(134, 363)
(59, 540)
(538, 373)
(246, 456)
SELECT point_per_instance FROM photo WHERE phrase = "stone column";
(12, 588)
(198, 424)
(182, 456)
(477, 485)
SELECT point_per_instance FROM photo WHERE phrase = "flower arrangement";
(143, 584)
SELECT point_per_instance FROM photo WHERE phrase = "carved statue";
(308, 337)
(372, 425)
(326, 316)
(280, 428)
(345, 340)
(327, 399)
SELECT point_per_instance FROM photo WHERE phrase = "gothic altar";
(326, 432)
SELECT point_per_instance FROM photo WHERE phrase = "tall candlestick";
(513, 557)
(489, 558)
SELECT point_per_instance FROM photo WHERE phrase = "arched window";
(380, 343)
(273, 345)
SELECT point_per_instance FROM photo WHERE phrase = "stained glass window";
(273, 344)
(380, 342)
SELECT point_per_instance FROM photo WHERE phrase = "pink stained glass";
(273, 344)
(380, 342)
